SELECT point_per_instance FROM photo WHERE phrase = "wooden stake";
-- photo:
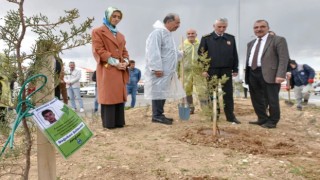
(214, 110)
(45, 151)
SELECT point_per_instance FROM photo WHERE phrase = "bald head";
(172, 22)
(191, 35)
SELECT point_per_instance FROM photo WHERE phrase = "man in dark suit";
(222, 51)
(266, 66)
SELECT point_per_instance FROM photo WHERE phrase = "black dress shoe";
(269, 126)
(162, 120)
(235, 120)
(170, 119)
(257, 122)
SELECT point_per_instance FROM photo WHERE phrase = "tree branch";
(14, 1)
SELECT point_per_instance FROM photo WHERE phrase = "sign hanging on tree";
(62, 126)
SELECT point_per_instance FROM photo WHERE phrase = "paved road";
(314, 99)
(88, 101)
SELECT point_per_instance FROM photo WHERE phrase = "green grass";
(296, 170)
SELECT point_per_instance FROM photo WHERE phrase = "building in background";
(86, 76)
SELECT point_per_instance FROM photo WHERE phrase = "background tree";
(62, 34)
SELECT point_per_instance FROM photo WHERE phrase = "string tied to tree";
(21, 114)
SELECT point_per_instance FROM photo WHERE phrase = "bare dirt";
(187, 150)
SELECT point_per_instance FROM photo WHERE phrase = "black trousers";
(190, 103)
(245, 91)
(264, 95)
(57, 92)
(157, 108)
(112, 115)
(227, 89)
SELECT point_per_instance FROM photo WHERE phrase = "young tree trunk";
(28, 144)
(214, 113)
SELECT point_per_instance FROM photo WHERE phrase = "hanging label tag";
(62, 126)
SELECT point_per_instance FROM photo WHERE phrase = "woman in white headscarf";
(108, 46)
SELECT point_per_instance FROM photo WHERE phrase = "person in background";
(245, 89)
(301, 78)
(272, 33)
(222, 51)
(190, 49)
(63, 87)
(111, 55)
(266, 66)
(5, 98)
(96, 104)
(57, 71)
(13, 84)
(60, 89)
(72, 79)
(132, 85)
(161, 79)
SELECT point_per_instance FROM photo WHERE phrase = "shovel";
(184, 110)
(183, 107)
(288, 102)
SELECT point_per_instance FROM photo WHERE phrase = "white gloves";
(126, 60)
(113, 61)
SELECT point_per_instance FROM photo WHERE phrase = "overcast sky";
(296, 20)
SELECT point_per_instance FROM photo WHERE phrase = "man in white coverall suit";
(161, 80)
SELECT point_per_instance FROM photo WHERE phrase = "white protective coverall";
(162, 55)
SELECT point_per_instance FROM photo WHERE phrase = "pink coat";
(111, 82)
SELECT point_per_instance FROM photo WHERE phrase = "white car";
(89, 90)
(317, 90)
(140, 89)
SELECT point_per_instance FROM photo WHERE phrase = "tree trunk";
(28, 144)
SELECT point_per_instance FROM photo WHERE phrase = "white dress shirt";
(263, 42)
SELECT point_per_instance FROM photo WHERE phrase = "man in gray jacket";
(267, 61)
(72, 79)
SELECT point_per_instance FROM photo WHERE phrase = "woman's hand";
(122, 66)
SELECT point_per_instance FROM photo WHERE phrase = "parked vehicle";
(89, 90)
(140, 87)
(316, 87)
(317, 90)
